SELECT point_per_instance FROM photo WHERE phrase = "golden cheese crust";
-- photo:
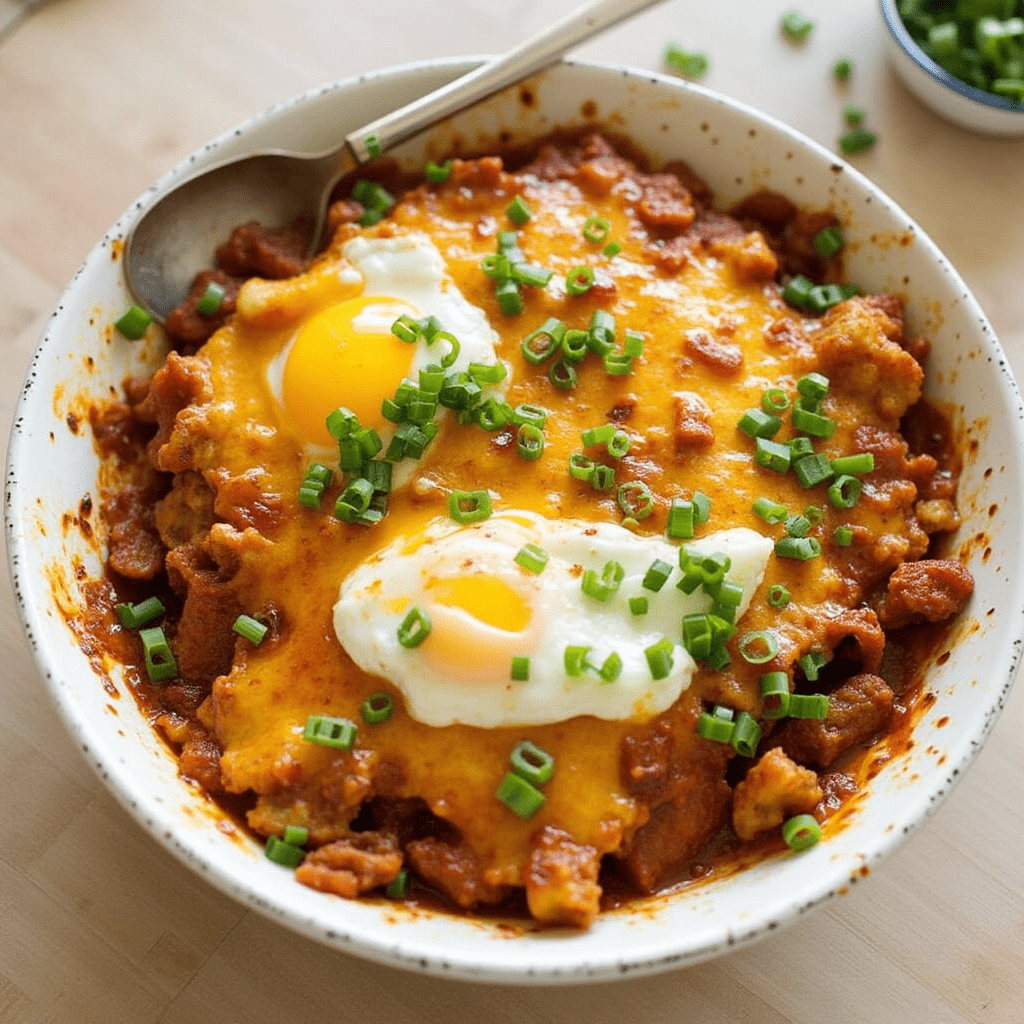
(703, 288)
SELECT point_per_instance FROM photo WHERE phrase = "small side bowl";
(948, 96)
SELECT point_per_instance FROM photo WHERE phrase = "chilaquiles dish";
(544, 540)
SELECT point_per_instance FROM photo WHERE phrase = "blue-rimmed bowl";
(946, 94)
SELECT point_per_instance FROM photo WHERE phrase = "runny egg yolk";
(478, 624)
(345, 355)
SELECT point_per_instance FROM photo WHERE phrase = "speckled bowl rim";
(387, 946)
(903, 39)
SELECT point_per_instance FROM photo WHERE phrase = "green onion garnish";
(562, 375)
(768, 510)
(520, 670)
(534, 415)
(610, 668)
(377, 708)
(774, 400)
(133, 323)
(531, 763)
(134, 616)
(532, 558)
(758, 647)
(601, 588)
(575, 660)
(801, 832)
(160, 663)
(337, 733)
(758, 423)
(857, 464)
(796, 27)
(657, 575)
(249, 628)
(518, 212)
(285, 854)
(804, 705)
(519, 796)
(596, 229)
(688, 63)
(638, 605)
(772, 455)
(602, 478)
(746, 735)
(853, 116)
(717, 726)
(778, 595)
(845, 492)
(529, 442)
(373, 146)
(414, 628)
(579, 280)
(803, 549)
(510, 299)
(469, 506)
(399, 886)
(842, 69)
(212, 298)
(828, 241)
(612, 248)
(580, 466)
(812, 470)
(635, 499)
(843, 536)
(811, 663)
(856, 140)
(774, 695)
(544, 342)
(437, 174)
(575, 345)
(659, 658)
(618, 444)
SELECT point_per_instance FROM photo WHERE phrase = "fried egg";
(345, 353)
(485, 609)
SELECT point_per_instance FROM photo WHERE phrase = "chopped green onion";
(680, 519)
(510, 299)
(853, 116)
(843, 536)
(809, 422)
(377, 708)
(580, 466)
(796, 27)
(618, 444)
(485, 373)
(519, 796)
(593, 436)
(798, 291)
(688, 63)
(399, 886)
(575, 660)
(496, 266)
(800, 446)
(529, 442)
(774, 400)
(798, 526)
(774, 695)
(531, 274)
(438, 174)
(845, 492)
(285, 854)
(373, 146)
(532, 558)
(518, 212)
(758, 647)
(602, 478)
(373, 196)
(337, 733)
(562, 375)
(531, 763)
(860, 463)
(842, 69)
(814, 515)
(296, 835)
(701, 507)
(414, 628)
(541, 344)
(596, 229)
(602, 332)
(575, 345)
(801, 832)
(746, 735)
(601, 588)
(160, 663)
(757, 423)
(635, 499)
(492, 415)
(341, 423)
(520, 671)
(638, 605)
(717, 726)
(212, 298)
(778, 595)
(249, 628)
(134, 616)
(768, 510)
(828, 241)
(133, 323)
(579, 280)
(803, 549)
(469, 506)
(657, 575)
(534, 415)
(633, 344)
(612, 248)
(813, 386)
(811, 663)
(610, 668)
(772, 455)
(812, 470)
(618, 365)
(813, 706)
(659, 658)
(856, 141)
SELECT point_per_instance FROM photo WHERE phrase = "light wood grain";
(99, 923)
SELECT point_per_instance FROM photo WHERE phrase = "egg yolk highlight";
(337, 361)
(478, 625)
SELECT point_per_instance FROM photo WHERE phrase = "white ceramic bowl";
(946, 94)
(51, 468)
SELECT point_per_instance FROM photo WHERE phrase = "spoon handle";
(493, 76)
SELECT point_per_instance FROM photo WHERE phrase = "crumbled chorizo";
(256, 251)
(186, 326)
(691, 422)
(724, 360)
(453, 869)
(856, 711)
(353, 865)
(665, 203)
(561, 880)
(931, 590)
(774, 789)
(857, 635)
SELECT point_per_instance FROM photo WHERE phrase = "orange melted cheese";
(259, 710)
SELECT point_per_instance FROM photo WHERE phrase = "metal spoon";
(176, 237)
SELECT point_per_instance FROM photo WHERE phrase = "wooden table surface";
(98, 922)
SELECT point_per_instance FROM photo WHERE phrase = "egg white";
(476, 688)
